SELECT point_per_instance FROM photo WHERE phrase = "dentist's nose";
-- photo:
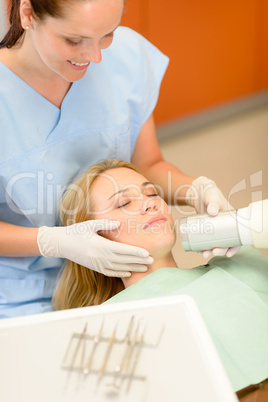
(93, 54)
(149, 205)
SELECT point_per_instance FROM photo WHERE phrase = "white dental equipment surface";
(144, 351)
(243, 227)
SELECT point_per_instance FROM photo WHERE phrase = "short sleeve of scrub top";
(44, 148)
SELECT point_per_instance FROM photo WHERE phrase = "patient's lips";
(154, 220)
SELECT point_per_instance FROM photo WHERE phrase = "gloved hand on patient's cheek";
(82, 244)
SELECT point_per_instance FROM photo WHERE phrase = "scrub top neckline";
(36, 93)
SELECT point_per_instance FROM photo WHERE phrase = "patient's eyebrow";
(124, 190)
(148, 183)
(118, 192)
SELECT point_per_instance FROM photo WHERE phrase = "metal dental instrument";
(96, 341)
(81, 337)
(131, 348)
(71, 366)
(118, 368)
(160, 335)
(108, 351)
(136, 359)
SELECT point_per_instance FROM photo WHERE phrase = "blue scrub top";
(44, 148)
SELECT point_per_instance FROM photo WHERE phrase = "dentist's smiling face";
(124, 195)
(66, 46)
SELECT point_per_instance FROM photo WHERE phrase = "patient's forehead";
(122, 177)
(119, 178)
(111, 182)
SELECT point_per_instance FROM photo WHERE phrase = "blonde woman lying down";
(231, 293)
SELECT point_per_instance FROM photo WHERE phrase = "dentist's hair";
(79, 286)
(40, 9)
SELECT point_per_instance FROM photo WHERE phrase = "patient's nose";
(149, 205)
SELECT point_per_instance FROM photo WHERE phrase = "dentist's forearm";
(18, 241)
(172, 183)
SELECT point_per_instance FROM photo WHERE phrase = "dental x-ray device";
(241, 227)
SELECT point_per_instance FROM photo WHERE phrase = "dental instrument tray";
(142, 351)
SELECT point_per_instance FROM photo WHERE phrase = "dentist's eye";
(72, 43)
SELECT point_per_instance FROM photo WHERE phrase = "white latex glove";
(81, 243)
(206, 197)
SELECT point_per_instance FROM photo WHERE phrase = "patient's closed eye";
(126, 197)
(126, 200)
(124, 204)
(150, 190)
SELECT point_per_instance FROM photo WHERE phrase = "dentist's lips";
(79, 68)
(155, 219)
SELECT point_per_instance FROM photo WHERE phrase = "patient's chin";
(161, 246)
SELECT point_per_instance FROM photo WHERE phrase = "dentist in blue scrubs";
(75, 88)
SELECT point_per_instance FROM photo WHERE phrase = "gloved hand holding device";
(206, 197)
(82, 244)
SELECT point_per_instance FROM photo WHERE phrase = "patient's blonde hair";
(79, 286)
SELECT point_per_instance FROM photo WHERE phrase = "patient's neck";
(166, 261)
